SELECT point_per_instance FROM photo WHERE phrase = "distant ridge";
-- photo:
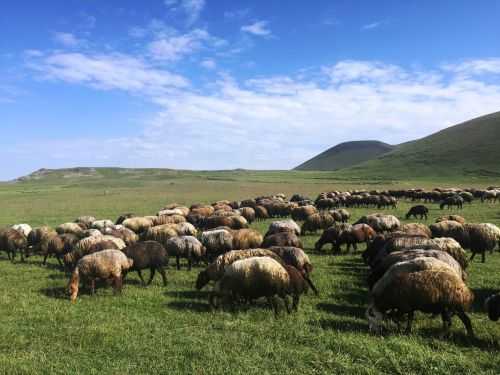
(345, 155)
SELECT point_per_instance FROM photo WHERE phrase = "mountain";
(345, 155)
(471, 148)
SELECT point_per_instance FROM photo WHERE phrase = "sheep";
(104, 265)
(246, 239)
(36, 236)
(204, 211)
(12, 241)
(92, 233)
(138, 224)
(301, 213)
(169, 212)
(25, 229)
(160, 234)
(317, 221)
(248, 213)
(449, 202)
(457, 218)
(217, 242)
(331, 235)
(419, 210)
(297, 258)
(102, 224)
(453, 229)
(257, 277)
(282, 239)
(452, 247)
(416, 229)
(233, 222)
(57, 245)
(74, 228)
(261, 213)
(124, 217)
(340, 215)
(84, 247)
(283, 226)
(380, 222)
(406, 255)
(355, 234)
(187, 247)
(148, 254)
(119, 231)
(492, 306)
(85, 220)
(215, 270)
(482, 238)
(425, 284)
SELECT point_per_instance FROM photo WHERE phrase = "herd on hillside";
(412, 267)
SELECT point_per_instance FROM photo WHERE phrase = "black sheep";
(148, 254)
(419, 210)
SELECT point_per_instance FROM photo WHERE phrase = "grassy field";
(171, 329)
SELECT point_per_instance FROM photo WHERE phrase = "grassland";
(171, 330)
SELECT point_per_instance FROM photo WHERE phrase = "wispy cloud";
(257, 28)
(192, 8)
(209, 64)
(371, 26)
(475, 67)
(67, 39)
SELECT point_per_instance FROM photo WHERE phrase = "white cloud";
(476, 67)
(112, 71)
(246, 124)
(208, 64)
(192, 8)
(371, 26)
(174, 47)
(66, 39)
(257, 28)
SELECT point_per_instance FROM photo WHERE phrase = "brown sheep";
(416, 229)
(282, 239)
(248, 213)
(301, 213)
(357, 233)
(12, 241)
(316, 222)
(457, 218)
(246, 239)
(261, 213)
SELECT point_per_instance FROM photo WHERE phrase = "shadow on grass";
(458, 337)
(188, 294)
(343, 310)
(343, 326)
(48, 265)
(194, 306)
(55, 292)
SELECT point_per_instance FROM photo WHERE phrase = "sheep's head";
(202, 280)
(375, 319)
(492, 306)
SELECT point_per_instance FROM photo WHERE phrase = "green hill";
(471, 148)
(345, 155)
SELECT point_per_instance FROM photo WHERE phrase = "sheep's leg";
(152, 274)
(190, 263)
(409, 322)
(355, 247)
(274, 304)
(161, 270)
(45, 259)
(140, 276)
(445, 315)
(296, 301)
(178, 262)
(472, 256)
(483, 257)
(92, 286)
(22, 255)
(118, 282)
(466, 321)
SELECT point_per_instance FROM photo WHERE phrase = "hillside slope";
(345, 155)
(471, 148)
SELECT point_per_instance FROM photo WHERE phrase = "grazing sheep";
(457, 218)
(73, 228)
(138, 224)
(331, 236)
(257, 277)
(424, 284)
(261, 213)
(453, 229)
(84, 247)
(283, 226)
(381, 223)
(104, 265)
(204, 211)
(248, 213)
(25, 229)
(358, 233)
(102, 224)
(316, 222)
(215, 270)
(482, 238)
(12, 241)
(419, 210)
(122, 218)
(125, 234)
(187, 247)
(450, 202)
(406, 255)
(92, 233)
(217, 242)
(57, 245)
(416, 229)
(340, 215)
(85, 220)
(301, 213)
(233, 222)
(36, 236)
(168, 219)
(282, 239)
(148, 254)
(492, 306)
(161, 234)
(452, 247)
(246, 239)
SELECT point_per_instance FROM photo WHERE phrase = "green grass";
(171, 330)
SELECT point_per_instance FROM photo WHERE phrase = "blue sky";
(205, 84)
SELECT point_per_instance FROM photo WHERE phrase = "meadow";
(171, 329)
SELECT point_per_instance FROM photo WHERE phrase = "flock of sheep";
(413, 267)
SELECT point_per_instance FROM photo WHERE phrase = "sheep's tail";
(73, 284)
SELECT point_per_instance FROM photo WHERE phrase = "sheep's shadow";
(458, 337)
(59, 276)
(58, 292)
(343, 310)
(188, 294)
(195, 306)
(343, 326)
(48, 265)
